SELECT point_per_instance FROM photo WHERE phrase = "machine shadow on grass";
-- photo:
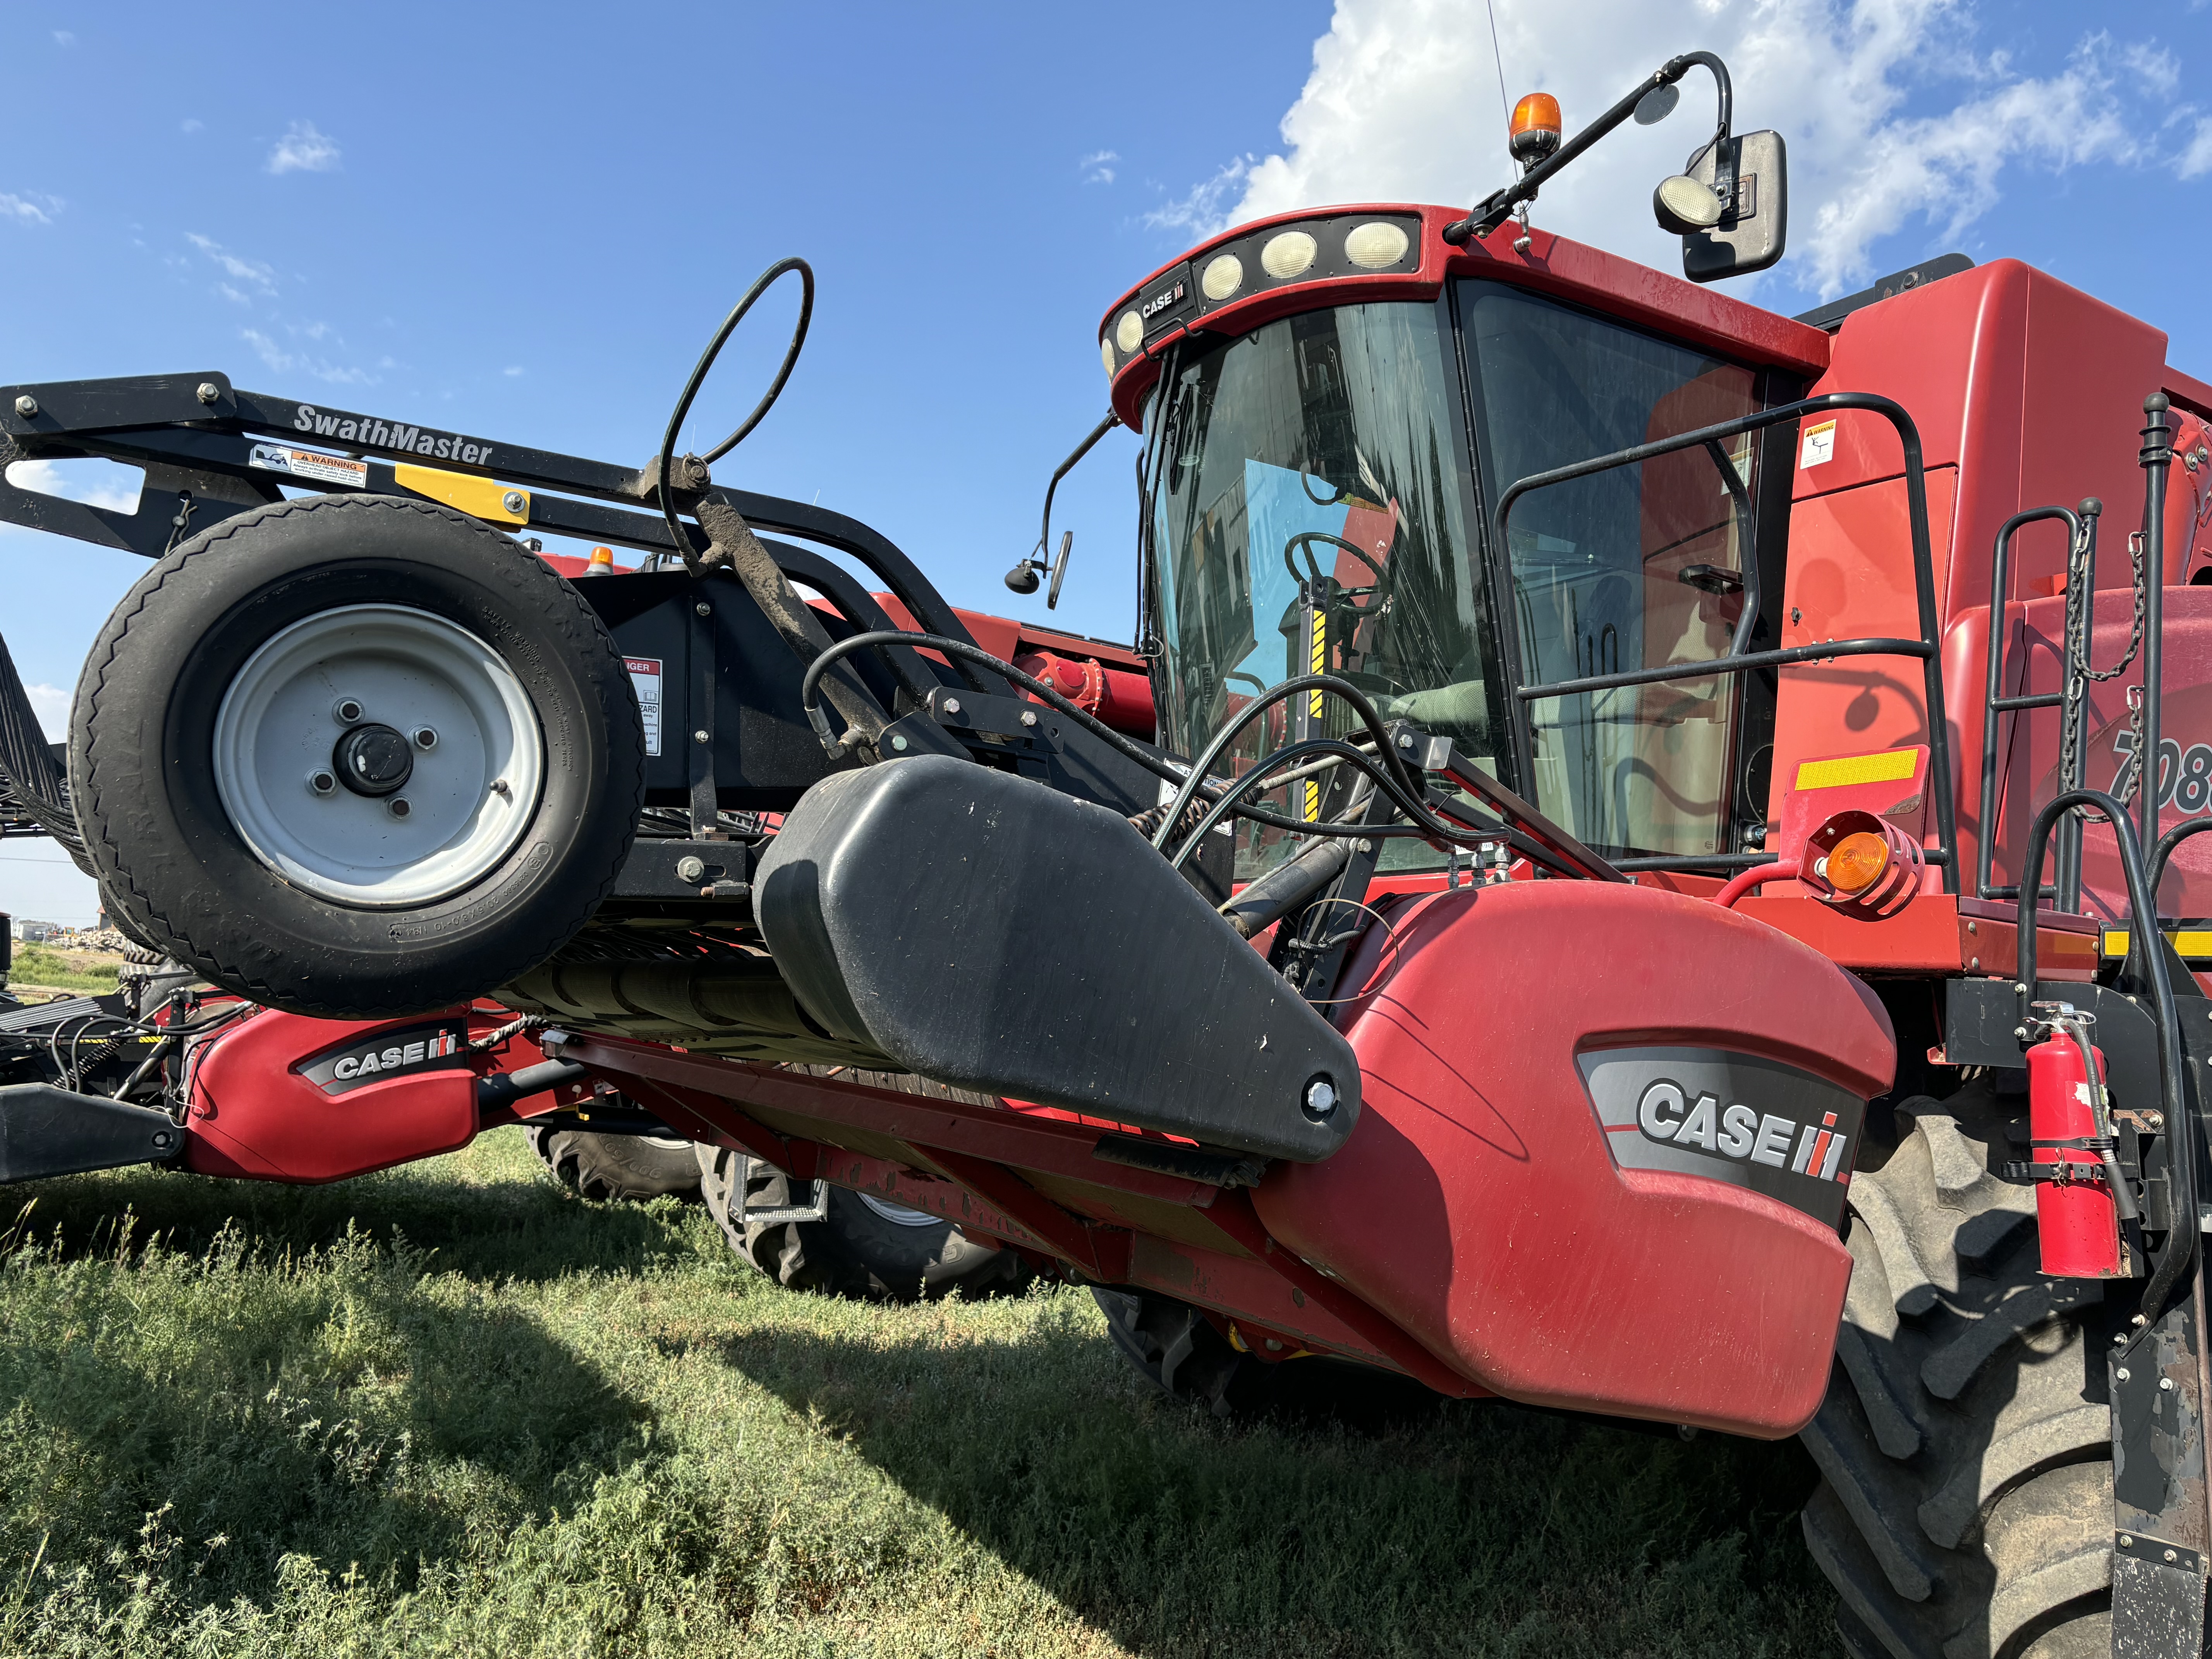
(233, 1375)
(1395, 1522)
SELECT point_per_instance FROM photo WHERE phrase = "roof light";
(1129, 332)
(1223, 275)
(1683, 206)
(601, 562)
(1535, 128)
(1291, 254)
(1106, 351)
(1375, 245)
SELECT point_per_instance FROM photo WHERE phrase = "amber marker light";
(1535, 128)
(1856, 862)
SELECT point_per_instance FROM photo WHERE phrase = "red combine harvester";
(1641, 901)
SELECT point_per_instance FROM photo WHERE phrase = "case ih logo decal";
(380, 1055)
(1163, 300)
(1728, 1117)
(372, 433)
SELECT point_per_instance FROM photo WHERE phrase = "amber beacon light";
(1535, 129)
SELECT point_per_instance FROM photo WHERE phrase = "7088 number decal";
(2184, 776)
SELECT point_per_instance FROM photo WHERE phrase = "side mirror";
(1752, 229)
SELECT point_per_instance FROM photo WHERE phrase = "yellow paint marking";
(2189, 942)
(480, 498)
(1891, 766)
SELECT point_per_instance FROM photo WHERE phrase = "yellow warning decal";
(2189, 943)
(480, 498)
(1891, 766)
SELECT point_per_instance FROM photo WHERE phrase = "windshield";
(1309, 515)
(1632, 567)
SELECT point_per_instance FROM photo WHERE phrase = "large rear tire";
(862, 1246)
(1965, 1508)
(353, 756)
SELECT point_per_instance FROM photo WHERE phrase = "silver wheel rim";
(898, 1214)
(472, 792)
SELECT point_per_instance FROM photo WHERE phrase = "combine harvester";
(1643, 902)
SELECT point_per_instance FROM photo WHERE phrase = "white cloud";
(1096, 167)
(303, 149)
(93, 481)
(31, 210)
(50, 703)
(511, 374)
(252, 272)
(63, 38)
(1890, 112)
(190, 123)
(283, 360)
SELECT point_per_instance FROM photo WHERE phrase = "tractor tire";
(863, 1247)
(1966, 1504)
(605, 1168)
(355, 757)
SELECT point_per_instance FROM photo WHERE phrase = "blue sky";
(524, 222)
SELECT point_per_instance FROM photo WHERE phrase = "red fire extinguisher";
(2082, 1196)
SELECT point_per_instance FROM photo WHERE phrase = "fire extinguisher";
(2082, 1196)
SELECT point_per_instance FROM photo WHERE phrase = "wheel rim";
(898, 1214)
(296, 717)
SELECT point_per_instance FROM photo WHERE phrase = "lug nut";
(1320, 1102)
(425, 737)
(321, 782)
(27, 406)
(399, 807)
(690, 870)
(207, 392)
(345, 711)
(514, 500)
(499, 786)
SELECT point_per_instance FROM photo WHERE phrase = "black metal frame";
(1928, 648)
(1995, 703)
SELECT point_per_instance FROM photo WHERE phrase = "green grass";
(34, 964)
(450, 1410)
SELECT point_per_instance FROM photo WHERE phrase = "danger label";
(1820, 446)
(307, 464)
(645, 680)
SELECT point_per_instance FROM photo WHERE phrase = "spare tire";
(356, 757)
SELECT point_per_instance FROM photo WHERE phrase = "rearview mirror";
(1753, 228)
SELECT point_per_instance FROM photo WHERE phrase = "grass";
(450, 1410)
(38, 967)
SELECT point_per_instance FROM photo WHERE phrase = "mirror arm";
(1499, 206)
(1035, 560)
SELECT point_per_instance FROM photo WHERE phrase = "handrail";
(1993, 655)
(1928, 647)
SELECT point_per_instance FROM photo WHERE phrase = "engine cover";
(1602, 1162)
(989, 933)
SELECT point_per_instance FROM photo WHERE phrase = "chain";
(2123, 788)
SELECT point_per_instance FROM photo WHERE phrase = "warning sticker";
(645, 677)
(1820, 446)
(307, 464)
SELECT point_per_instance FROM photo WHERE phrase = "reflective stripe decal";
(1891, 766)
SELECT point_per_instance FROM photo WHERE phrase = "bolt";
(1365, 845)
(952, 705)
(1028, 719)
(1975, 965)
(701, 737)
(2166, 1383)
(515, 502)
(1973, 927)
(2127, 1541)
(160, 1137)
(1273, 1346)
(1405, 741)
(345, 711)
(899, 743)
(425, 737)
(499, 786)
(1321, 1100)
(400, 809)
(27, 406)
(2140, 1320)
(703, 608)
(690, 869)
(321, 782)
(207, 392)
(2122, 1373)
(2170, 1556)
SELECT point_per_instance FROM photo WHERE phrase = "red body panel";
(1478, 1205)
(256, 1114)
